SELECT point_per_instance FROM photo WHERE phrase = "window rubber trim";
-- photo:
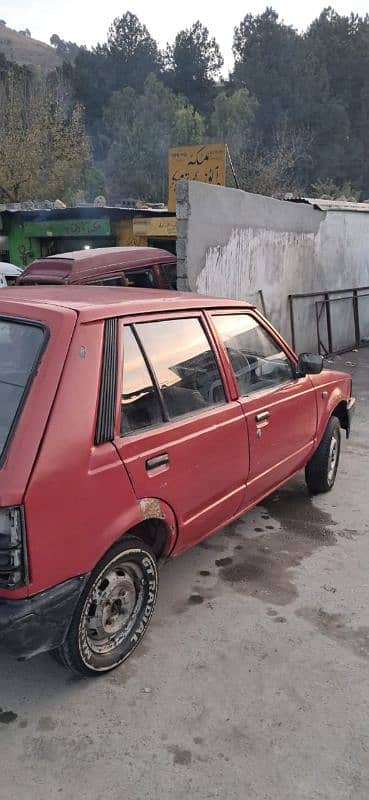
(46, 336)
(105, 426)
(152, 374)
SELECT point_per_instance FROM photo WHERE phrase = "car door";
(182, 439)
(280, 410)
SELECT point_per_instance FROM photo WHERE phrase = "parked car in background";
(145, 267)
(133, 424)
(8, 274)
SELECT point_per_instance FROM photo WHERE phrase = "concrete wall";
(234, 244)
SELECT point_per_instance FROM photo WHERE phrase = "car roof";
(9, 270)
(81, 265)
(100, 302)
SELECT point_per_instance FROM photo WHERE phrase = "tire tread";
(316, 470)
(67, 654)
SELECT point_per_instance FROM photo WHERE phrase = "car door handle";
(157, 461)
(263, 416)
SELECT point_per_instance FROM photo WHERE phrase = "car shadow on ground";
(253, 556)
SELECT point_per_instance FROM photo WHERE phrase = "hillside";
(25, 50)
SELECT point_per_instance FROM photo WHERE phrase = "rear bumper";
(39, 623)
(351, 408)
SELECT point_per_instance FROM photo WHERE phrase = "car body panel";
(331, 389)
(278, 449)
(80, 498)
(29, 432)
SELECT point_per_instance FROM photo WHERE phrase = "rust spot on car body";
(151, 509)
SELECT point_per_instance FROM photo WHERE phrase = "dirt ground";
(252, 682)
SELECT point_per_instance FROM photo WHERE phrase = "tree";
(95, 183)
(133, 53)
(188, 126)
(233, 118)
(341, 45)
(125, 60)
(43, 152)
(92, 82)
(291, 76)
(273, 170)
(329, 190)
(142, 128)
(194, 63)
(68, 51)
(269, 61)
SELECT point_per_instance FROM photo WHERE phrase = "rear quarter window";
(21, 344)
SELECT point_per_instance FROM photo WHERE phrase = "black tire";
(321, 471)
(113, 611)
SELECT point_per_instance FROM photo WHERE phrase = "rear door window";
(20, 348)
(184, 363)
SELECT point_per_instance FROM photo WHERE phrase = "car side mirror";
(309, 364)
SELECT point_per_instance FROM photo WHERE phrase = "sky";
(86, 22)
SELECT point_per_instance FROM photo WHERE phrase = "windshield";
(20, 347)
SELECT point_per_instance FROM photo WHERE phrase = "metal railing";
(326, 333)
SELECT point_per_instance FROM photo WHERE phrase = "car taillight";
(13, 561)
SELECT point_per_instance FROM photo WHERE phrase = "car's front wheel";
(114, 610)
(321, 470)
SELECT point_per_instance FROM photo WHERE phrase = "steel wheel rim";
(113, 606)
(332, 459)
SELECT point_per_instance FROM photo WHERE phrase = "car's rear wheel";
(321, 470)
(114, 610)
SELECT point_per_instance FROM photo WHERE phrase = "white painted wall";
(234, 244)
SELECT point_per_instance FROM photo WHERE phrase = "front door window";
(257, 359)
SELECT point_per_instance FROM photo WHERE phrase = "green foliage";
(294, 111)
(188, 127)
(142, 128)
(194, 63)
(68, 51)
(233, 118)
(317, 82)
(44, 150)
(95, 184)
(268, 62)
(132, 52)
(328, 189)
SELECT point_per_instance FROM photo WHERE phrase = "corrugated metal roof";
(47, 205)
(325, 204)
(80, 212)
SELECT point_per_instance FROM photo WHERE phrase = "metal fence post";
(292, 321)
(355, 301)
(329, 322)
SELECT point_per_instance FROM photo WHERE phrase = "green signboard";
(67, 227)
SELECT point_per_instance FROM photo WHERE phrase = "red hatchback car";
(133, 424)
